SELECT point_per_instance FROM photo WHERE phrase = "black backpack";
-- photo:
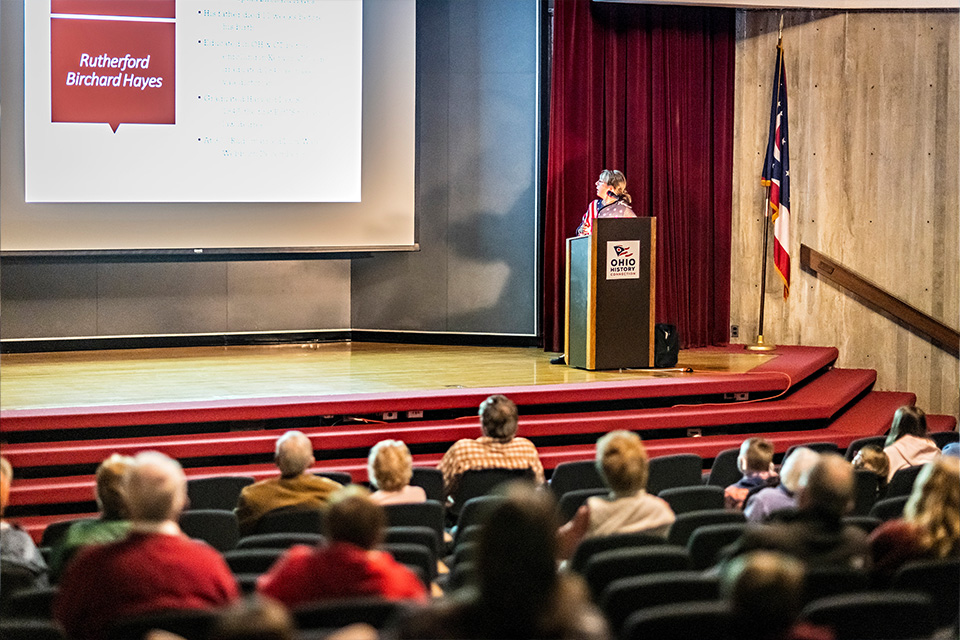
(666, 346)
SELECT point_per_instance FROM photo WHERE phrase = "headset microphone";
(611, 193)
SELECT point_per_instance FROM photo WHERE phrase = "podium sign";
(610, 293)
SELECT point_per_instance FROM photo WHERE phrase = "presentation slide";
(207, 127)
(199, 101)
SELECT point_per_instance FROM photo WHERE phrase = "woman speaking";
(612, 201)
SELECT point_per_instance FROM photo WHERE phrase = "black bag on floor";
(666, 346)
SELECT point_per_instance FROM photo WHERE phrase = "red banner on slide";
(139, 8)
(112, 71)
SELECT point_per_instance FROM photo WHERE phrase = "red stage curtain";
(647, 90)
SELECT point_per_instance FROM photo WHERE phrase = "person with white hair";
(761, 505)
(156, 567)
(293, 488)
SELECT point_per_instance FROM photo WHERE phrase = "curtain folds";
(647, 90)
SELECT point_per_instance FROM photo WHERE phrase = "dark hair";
(516, 562)
(353, 517)
(498, 417)
(908, 420)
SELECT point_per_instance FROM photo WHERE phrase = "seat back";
(341, 477)
(860, 443)
(686, 523)
(216, 492)
(866, 483)
(824, 581)
(624, 596)
(278, 540)
(889, 508)
(424, 536)
(901, 484)
(940, 579)
(415, 555)
(420, 514)
(677, 470)
(35, 603)
(707, 541)
(724, 471)
(216, 527)
(255, 561)
(27, 629)
(592, 546)
(704, 620)
(190, 624)
(290, 520)
(335, 614)
(572, 500)
(819, 447)
(867, 523)
(874, 615)
(482, 482)
(54, 532)
(430, 480)
(943, 438)
(696, 498)
(474, 512)
(605, 567)
(574, 475)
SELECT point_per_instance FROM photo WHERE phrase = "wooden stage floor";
(172, 375)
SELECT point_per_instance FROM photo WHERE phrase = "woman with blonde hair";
(390, 468)
(622, 462)
(612, 201)
(930, 527)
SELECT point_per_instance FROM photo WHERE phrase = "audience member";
(17, 549)
(498, 448)
(294, 488)
(517, 592)
(814, 533)
(755, 462)
(759, 506)
(347, 566)
(765, 592)
(155, 567)
(254, 618)
(872, 458)
(390, 468)
(907, 443)
(930, 527)
(113, 523)
(622, 461)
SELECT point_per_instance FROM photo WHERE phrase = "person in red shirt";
(156, 567)
(348, 565)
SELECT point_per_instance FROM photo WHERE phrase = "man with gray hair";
(814, 533)
(294, 488)
(156, 567)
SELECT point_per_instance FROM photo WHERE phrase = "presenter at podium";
(612, 201)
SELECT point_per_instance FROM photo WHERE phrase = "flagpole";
(760, 345)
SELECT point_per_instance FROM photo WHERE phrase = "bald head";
(797, 466)
(829, 487)
(294, 453)
(156, 488)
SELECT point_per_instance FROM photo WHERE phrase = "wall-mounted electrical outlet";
(734, 331)
(389, 415)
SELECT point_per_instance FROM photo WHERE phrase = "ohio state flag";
(776, 172)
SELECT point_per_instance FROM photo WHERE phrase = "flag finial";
(780, 31)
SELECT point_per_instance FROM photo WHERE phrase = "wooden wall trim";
(915, 320)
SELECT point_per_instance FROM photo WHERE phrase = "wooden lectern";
(611, 288)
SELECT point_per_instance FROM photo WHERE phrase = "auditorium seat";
(216, 527)
(27, 629)
(290, 520)
(592, 546)
(256, 561)
(415, 555)
(940, 579)
(703, 620)
(866, 483)
(694, 498)
(570, 476)
(605, 567)
(889, 508)
(624, 596)
(190, 624)
(677, 470)
(707, 541)
(216, 492)
(424, 536)
(686, 523)
(901, 484)
(886, 615)
(278, 540)
(473, 513)
(482, 482)
(860, 443)
(335, 614)
(416, 514)
(572, 500)
(824, 581)
(724, 471)
(430, 479)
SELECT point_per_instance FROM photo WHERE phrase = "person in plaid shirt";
(498, 448)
